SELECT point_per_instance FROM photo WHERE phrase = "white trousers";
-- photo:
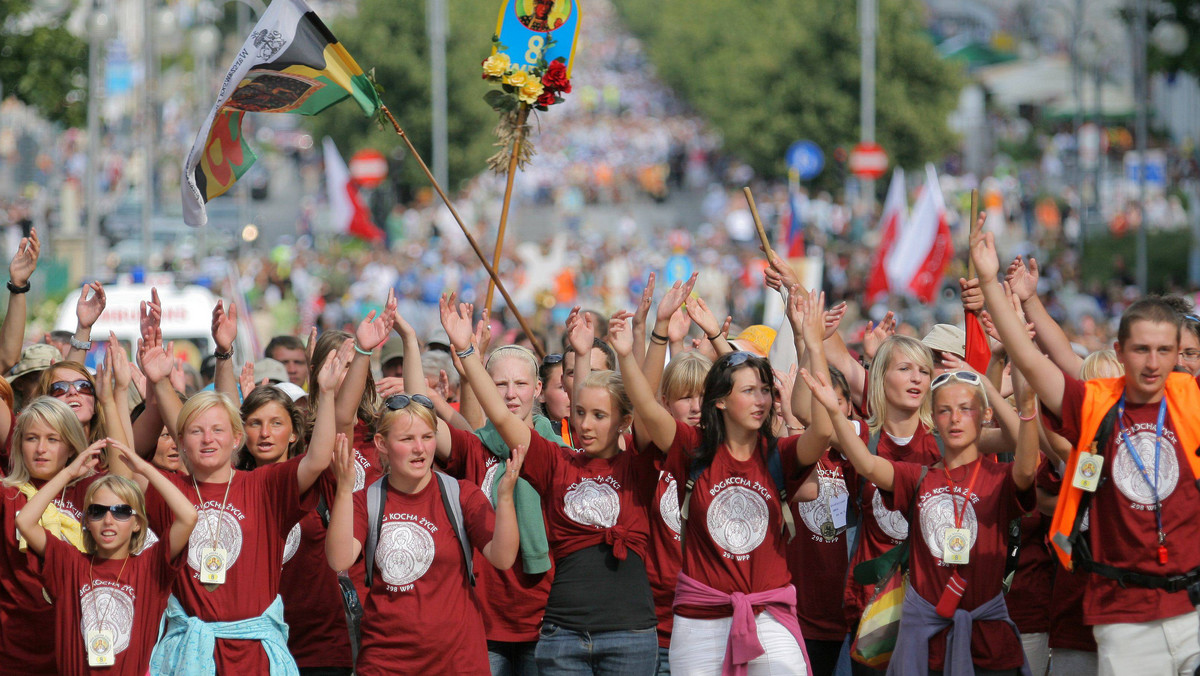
(1162, 647)
(1037, 652)
(698, 648)
(1065, 662)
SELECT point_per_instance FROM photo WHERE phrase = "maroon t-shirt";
(880, 528)
(124, 596)
(512, 600)
(1123, 533)
(589, 501)
(312, 598)
(1067, 628)
(1028, 599)
(816, 561)
(422, 615)
(735, 540)
(993, 502)
(261, 509)
(28, 647)
(664, 561)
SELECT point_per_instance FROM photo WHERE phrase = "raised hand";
(224, 326)
(386, 387)
(972, 295)
(678, 326)
(401, 325)
(246, 379)
(797, 306)
(785, 383)
(877, 333)
(88, 310)
(104, 380)
(581, 332)
(814, 318)
(372, 330)
(643, 308)
(673, 299)
(156, 360)
(779, 274)
(122, 370)
(698, 310)
(131, 459)
(150, 319)
(822, 391)
(456, 319)
(483, 331)
(620, 334)
(86, 462)
(833, 318)
(343, 461)
(1023, 278)
(24, 262)
(311, 346)
(512, 470)
(333, 371)
(138, 379)
(983, 253)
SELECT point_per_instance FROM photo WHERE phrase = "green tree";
(770, 72)
(41, 65)
(391, 38)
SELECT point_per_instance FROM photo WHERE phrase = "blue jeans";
(664, 661)
(632, 652)
(512, 658)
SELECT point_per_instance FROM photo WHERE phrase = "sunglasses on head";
(96, 512)
(739, 358)
(552, 359)
(61, 388)
(968, 377)
(397, 402)
(1192, 318)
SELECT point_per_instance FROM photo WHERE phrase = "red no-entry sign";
(868, 161)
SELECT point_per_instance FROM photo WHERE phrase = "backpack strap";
(775, 468)
(1014, 555)
(452, 503)
(376, 503)
(694, 472)
(854, 509)
(323, 510)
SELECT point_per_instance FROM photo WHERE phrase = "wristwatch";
(13, 288)
(84, 345)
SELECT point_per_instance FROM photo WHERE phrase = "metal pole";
(436, 24)
(95, 94)
(149, 120)
(1077, 87)
(866, 28)
(1194, 251)
(1141, 93)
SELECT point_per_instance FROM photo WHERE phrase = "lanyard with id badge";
(214, 559)
(956, 541)
(837, 506)
(100, 642)
(1137, 460)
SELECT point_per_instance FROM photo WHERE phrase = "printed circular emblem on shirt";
(592, 503)
(489, 481)
(737, 519)
(668, 507)
(360, 471)
(108, 608)
(405, 552)
(1130, 480)
(891, 522)
(937, 514)
(207, 526)
(292, 545)
(816, 514)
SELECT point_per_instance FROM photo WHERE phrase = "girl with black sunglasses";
(109, 599)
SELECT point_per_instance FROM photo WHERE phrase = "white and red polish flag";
(347, 212)
(918, 260)
(891, 223)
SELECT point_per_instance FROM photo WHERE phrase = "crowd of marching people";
(658, 493)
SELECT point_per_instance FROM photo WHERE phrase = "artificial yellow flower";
(517, 78)
(496, 65)
(531, 91)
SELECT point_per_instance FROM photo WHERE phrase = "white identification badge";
(956, 546)
(1087, 472)
(837, 510)
(212, 565)
(100, 648)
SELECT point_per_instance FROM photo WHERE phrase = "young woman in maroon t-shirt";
(599, 617)
(958, 546)
(108, 601)
(421, 615)
(734, 544)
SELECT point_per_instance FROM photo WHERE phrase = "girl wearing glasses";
(70, 383)
(46, 437)
(735, 523)
(963, 505)
(515, 598)
(419, 573)
(107, 601)
(599, 617)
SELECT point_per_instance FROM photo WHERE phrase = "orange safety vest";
(566, 431)
(1100, 395)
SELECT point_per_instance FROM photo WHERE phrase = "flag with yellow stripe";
(291, 63)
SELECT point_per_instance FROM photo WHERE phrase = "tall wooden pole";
(522, 115)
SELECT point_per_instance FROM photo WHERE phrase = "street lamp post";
(100, 31)
(867, 20)
(1140, 93)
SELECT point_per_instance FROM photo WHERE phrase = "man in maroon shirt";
(1144, 504)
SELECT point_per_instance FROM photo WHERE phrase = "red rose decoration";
(556, 78)
(547, 99)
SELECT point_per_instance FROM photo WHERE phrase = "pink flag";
(891, 223)
(346, 209)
